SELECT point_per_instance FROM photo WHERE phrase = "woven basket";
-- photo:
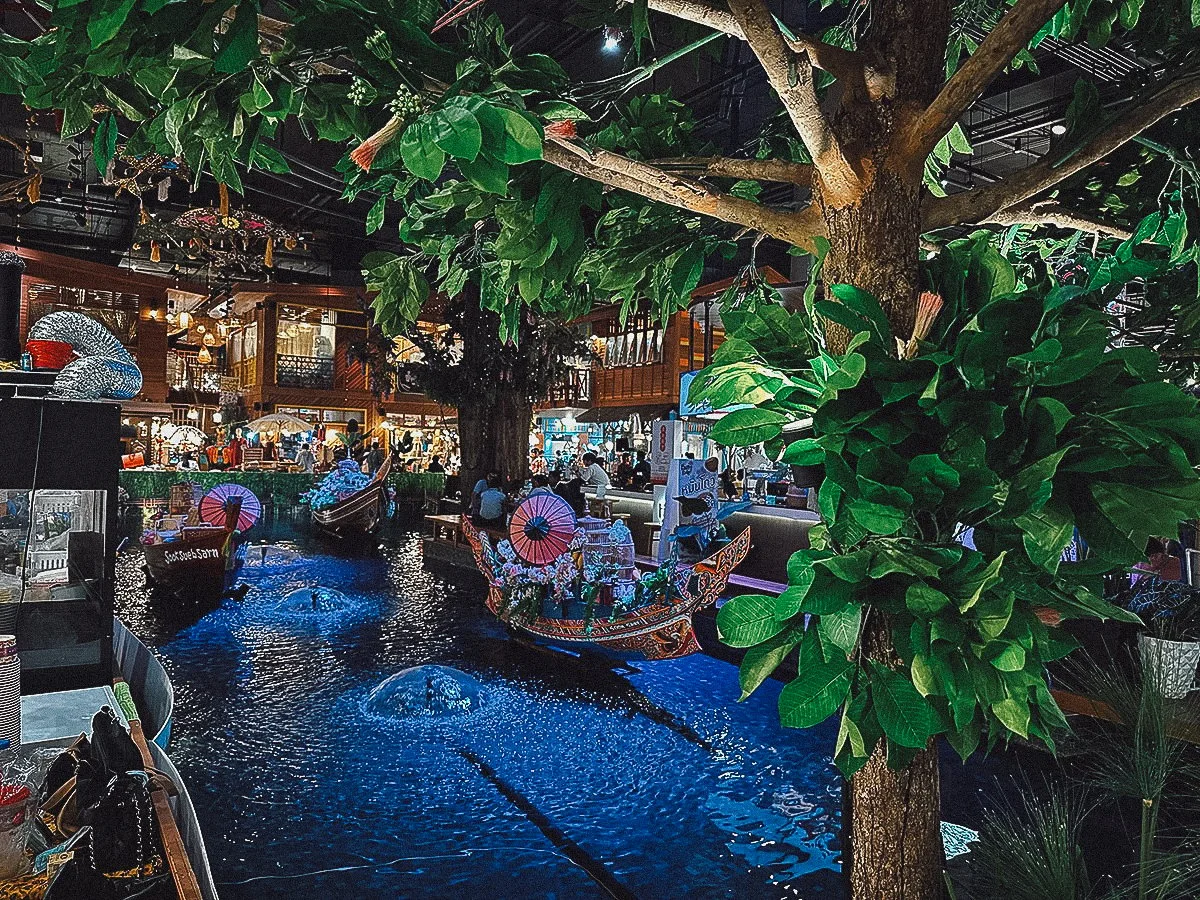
(49, 354)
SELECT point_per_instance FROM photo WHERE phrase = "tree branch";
(980, 205)
(1051, 212)
(792, 78)
(647, 181)
(837, 61)
(1002, 43)
(779, 170)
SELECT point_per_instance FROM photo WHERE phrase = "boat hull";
(360, 514)
(657, 631)
(198, 567)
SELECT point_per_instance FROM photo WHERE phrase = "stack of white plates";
(10, 690)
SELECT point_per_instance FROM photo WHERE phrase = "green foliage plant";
(1012, 416)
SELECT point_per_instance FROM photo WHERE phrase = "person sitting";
(571, 491)
(491, 504)
(477, 491)
(539, 484)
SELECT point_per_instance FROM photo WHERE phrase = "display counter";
(776, 531)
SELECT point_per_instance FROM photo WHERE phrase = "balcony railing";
(184, 373)
(575, 389)
(304, 372)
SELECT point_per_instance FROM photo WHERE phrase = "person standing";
(593, 474)
(435, 465)
(641, 472)
(305, 459)
(374, 458)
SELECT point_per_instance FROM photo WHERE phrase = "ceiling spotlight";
(80, 218)
(1058, 128)
(945, 182)
(193, 414)
(612, 39)
(217, 417)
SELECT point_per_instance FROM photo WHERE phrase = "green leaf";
(486, 174)
(1013, 715)
(241, 40)
(841, 627)
(522, 138)
(77, 116)
(106, 20)
(376, 214)
(804, 452)
(745, 427)
(763, 659)
(923, 600)
(905, 716)
(456, 131)
(104, 142)
(1047, 532)
(748, 620)
(420, 154)
(817, 691)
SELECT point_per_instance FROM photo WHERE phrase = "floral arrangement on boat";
(345, 480)
(576, 582)
(590, 581)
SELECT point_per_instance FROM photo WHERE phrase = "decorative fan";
(187, 434)
(136, 173)
(541, 528)
(212, 506)
(233, 241)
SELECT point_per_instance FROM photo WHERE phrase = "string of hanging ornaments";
(231, 241)
(24, 187)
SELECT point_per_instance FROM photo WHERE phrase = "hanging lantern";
(185, 320)
(209, 340)
(203, 357)
(269, 253)
(155, 252)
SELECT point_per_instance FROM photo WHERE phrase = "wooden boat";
(359, 514)
(201, 563)
(150, 715)
(657, 631)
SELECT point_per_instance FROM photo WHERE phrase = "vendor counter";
(776, 531)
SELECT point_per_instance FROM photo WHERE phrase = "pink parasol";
(212, 506)
(541, 528)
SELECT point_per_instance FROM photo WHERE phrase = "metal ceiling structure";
(726, 88)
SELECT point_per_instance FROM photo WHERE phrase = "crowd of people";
(567, 476)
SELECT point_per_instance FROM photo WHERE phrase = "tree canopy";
(550, 192)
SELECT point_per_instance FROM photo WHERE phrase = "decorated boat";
(574, 583)
(357, 514)
(195, 551)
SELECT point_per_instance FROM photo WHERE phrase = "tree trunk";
(494, 415)
(892, 818)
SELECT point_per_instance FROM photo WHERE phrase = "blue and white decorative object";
(10, 691)
(104, 369)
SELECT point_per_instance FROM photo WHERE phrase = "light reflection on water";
(661, 776)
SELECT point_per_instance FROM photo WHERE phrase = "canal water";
(571, 780)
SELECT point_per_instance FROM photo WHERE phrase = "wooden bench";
(446, 528)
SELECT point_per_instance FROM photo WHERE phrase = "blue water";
(660, 776)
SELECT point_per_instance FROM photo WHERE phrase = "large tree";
(440, 111)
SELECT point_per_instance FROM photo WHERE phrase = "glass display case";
(58, 491)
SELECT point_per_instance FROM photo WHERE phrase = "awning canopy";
(647, 412)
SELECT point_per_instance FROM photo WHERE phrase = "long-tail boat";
(359, 514)
(661, 629)
(200, 562)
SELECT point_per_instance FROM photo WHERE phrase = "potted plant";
(1170, 647)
